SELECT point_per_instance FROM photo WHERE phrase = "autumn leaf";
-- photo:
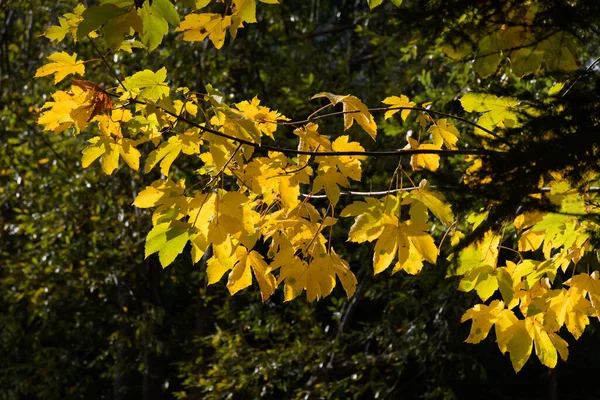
(146, 84)
(408, 241)
(318, 277)
(434, 201)
(68, 24)
(197, 27)
(395, 101)
(168, 239)
(167, 152)
(330, 180)
(445, 133)
(483, 317)
(63, 65)
(109, 149)
(354, 110)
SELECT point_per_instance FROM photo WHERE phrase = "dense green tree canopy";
(459, 150)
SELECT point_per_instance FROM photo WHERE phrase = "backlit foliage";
(249, 193)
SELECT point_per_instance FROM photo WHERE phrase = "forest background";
(85, 315)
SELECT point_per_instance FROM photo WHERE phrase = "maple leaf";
(486, 280)
(408, 241)
(146, 84)
(422, 161)
(197, 27)
(349, 166)
(481, 253)
(368, 223)
(67, 25)
(187, 142)
(156, 17)
(167, 196)
(354, 110)
(330, 180)
(96, 16)
(110, 149)
(318, 277)
(518, 337)
(266, 280)
(444, 132)
(168, 239)
(395, 101)
(434, 201)
(66, 110)
(266, 118)
(589, 284)
(63, 65)
(498, 111)
(483, 318)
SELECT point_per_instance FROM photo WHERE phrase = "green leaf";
(156, 19)
(168, 239)
(95, 17)
(148, 84)
(374, 3)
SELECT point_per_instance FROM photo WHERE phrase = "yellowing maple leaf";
(265, 117)
(483, 318)
(481, 253)
(422, 161)
(168, 239)
(63, 65)
(444, 132)
(354, 110)
(349, 166)
(408, 241)
(110, 149)
(197, 27)
(368, 223)
(187, 142)
(240, 276)
(145, 84)
(67, 110)
(498, 111)
(67, 24)
(434, 201)
(395, 101)
(316, 277)
(330, 180)
(589, 284)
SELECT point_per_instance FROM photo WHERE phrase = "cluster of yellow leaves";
(527, 285)
(197, 27)
(407, 241)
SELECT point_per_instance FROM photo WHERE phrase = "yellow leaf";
(168, 239)
(354, 110)
(197, 27)
(519, 344)
(317, 278)
(368, 223)
(484, 252)
(395, 101)
(544, 348)
(386, 248)
(329, 181)
(444, 132)
(422, 161)
(483, 317)
(63, 65)
(435, 202)
(246, 10)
